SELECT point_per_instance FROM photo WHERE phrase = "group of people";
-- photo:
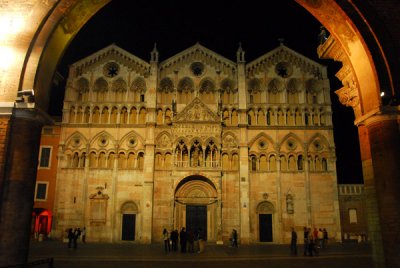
(313, 241)
(74, 234)
(190, 240)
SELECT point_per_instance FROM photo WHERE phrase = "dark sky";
(220, 26)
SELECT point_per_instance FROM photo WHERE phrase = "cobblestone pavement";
(135, 255)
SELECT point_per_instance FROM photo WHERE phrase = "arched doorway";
(41, 223)
(265, 212)
(128, 217)
(372, 54)
(196, 206)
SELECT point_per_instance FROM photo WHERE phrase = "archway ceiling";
(63, 20)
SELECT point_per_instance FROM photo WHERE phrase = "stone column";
(380, 155)
(18, 185)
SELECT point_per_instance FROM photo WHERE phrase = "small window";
(353, 215)
(41, 191)
(142, 98)
(44, 158)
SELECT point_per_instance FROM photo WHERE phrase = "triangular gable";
(283, 53)
(196, 112)
(199, 53)
(113, 52)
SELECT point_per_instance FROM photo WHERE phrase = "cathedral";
(196, 141)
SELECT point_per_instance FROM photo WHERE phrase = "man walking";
(293, 244)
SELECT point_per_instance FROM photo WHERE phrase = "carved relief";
(195, 112)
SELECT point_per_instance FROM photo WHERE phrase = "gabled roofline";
(282, 47)
(195, 47)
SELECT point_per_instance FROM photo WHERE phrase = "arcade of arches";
(364, 36)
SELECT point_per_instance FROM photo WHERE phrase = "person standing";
(174, 240)
(306, 241)
(77, 234)
(234, 238)
(83, 235)
(70, 234)
(190, 240)
(167, 246)
(183, 239)
(293, 243)
(325, 238)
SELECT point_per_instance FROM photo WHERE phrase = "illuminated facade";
(196, 141)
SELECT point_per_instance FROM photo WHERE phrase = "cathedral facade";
(196, 141)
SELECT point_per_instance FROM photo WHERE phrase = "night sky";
(176, 25)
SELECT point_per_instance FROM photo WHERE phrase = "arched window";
(133, 116)
(225, 161)
(114, 115)
(122, 161)
(131, 161)
(104, 115)
(82, 160)
(110, 160)
(253, 164)
(284, 164)
(92, 160)
(123, 116)
(300, 162)
(79, 115)
(75, 160)
(235, 162)
(234, 118)
(168, 161)
(142, 116)
(102, 160)
(87, 115)
(96, 115)
(140, 161)
(272, 163)
(263, 163)
(72, 115)
(324, 164)
(292, 163)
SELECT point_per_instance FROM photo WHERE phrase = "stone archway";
(266, 223)
(368, 48)
(196, 205)
(127, 221)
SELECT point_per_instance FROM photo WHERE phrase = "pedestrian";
(196, 241)
(190, 240)
(306, 242)
(83, 235)
(70, 235)
(312, 248)
(202, 244)
(293, 243)
(77, 234)
(234, 238)
(174, 240)
(320, 238)
(167, 246)
(325, 238)
(183, 239)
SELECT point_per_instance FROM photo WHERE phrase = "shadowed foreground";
(134, 255)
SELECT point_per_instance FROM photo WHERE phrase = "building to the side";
(196, 141)
(42, 216)
(353, 211)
